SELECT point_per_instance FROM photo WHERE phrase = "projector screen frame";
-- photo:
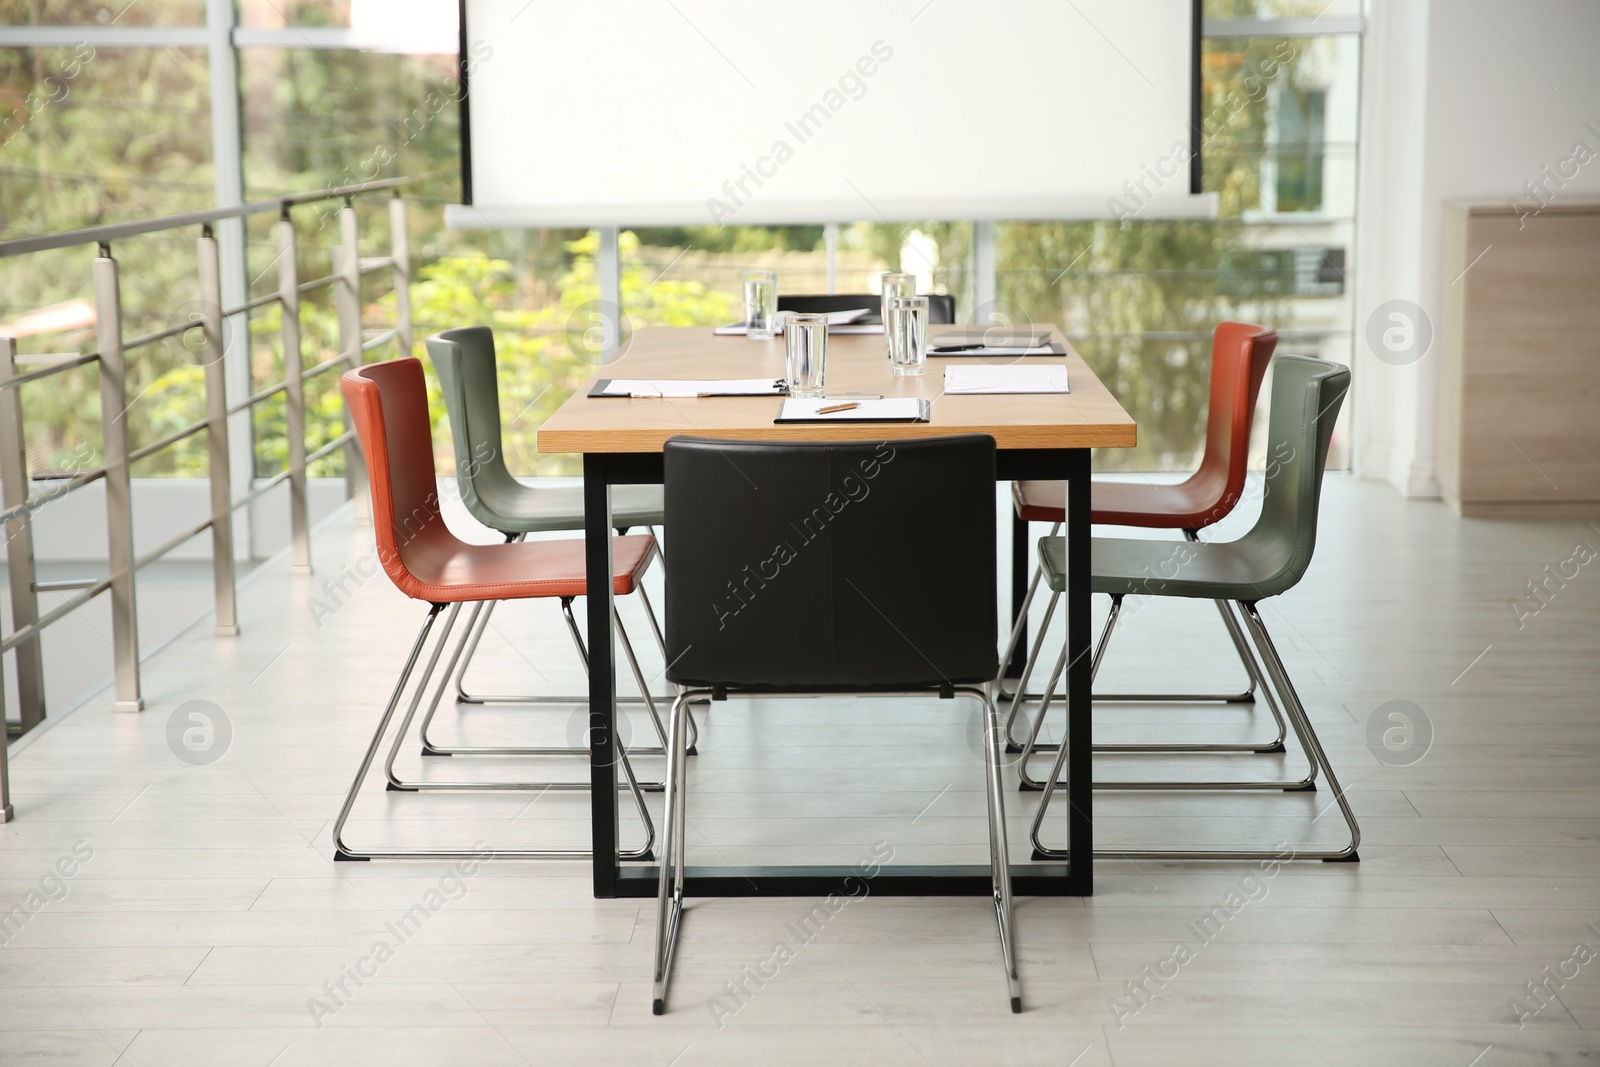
(1196, 104)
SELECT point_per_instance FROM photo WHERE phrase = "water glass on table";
(896, 284)
(760, 304)
(907, 328)
(807, 337)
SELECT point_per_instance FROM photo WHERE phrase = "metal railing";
(111, 357)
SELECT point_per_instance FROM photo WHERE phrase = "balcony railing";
(111, 356)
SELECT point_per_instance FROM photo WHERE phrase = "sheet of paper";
(894, 407)
(692, 387)
(980, 378)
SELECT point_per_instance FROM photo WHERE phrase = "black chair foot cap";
(427, 751)
(1242, 698)
(341, 856)
(1012, 746)
(1354, 857)
(652, 787)
(1309, 787)
(1279, 747)
(690, 751)
(1016, 1005)
(658, 1007)
(1038, 856)
(1024, 787)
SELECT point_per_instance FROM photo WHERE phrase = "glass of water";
(907, 327)
(896, 284)
(760, 304)
(807, 337)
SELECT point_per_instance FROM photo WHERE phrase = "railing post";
(218, 456)
(19, 546)
(7, 812)
(347, 299)
(119, 493)
(294, 394)
(400, 252)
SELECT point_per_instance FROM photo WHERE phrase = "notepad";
(979, 378)
(687, 387)
(993, 336)
(890, 409)
(993, 350)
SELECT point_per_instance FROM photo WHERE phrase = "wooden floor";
(187, 913)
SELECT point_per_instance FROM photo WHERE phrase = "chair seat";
(447, 572)
(1185, 506)
(1251, 568)
(540, 509)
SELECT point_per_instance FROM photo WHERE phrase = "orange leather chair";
(389, 405)
(1240, 353)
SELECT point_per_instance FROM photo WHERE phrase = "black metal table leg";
(1021, 556)
(602, 674)
(1080, 790)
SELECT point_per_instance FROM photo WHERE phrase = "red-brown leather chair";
(1240, 353)
(389, 405)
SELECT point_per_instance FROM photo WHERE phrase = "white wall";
(1460, 99)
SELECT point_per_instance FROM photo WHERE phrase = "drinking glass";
(807, 336)
(907, 328)
(895, 284)
(760, 304)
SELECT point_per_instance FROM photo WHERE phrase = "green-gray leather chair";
(1268, 560)
(464, 360)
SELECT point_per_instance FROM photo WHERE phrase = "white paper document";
(890, 409)
(979, 378)
(690, 387)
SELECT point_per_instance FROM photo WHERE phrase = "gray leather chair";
(1267, 561)
(464, 359)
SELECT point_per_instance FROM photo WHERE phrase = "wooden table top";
(1087, 417)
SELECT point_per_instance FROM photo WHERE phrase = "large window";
(108, 133)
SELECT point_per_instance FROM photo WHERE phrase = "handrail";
(54, 368)
(112, 349)
(116, 231)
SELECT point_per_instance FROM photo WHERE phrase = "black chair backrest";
(834, 565)
(941, 306)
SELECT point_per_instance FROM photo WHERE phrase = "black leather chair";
(941, 306)
(806, 568)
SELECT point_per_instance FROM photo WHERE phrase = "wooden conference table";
(1038, 436)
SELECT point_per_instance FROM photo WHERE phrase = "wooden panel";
(1520, 375)
(1088, 417)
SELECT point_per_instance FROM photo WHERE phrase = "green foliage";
(544, 353)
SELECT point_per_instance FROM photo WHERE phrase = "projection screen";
(737, 112)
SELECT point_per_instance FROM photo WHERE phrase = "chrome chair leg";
(669, 895)
(670, 886)
(343, 851)
(474, 634)
(470, 639)
(1252, 673)
(395, 783)
(1029, 784)
(1304, 731)
(999, 844)
(1246, 747)
(1019, 696)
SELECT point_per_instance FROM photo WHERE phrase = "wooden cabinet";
(1519, 342)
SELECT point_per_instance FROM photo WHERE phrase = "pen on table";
(837, 407)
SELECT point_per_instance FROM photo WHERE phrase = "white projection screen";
(771, 112)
